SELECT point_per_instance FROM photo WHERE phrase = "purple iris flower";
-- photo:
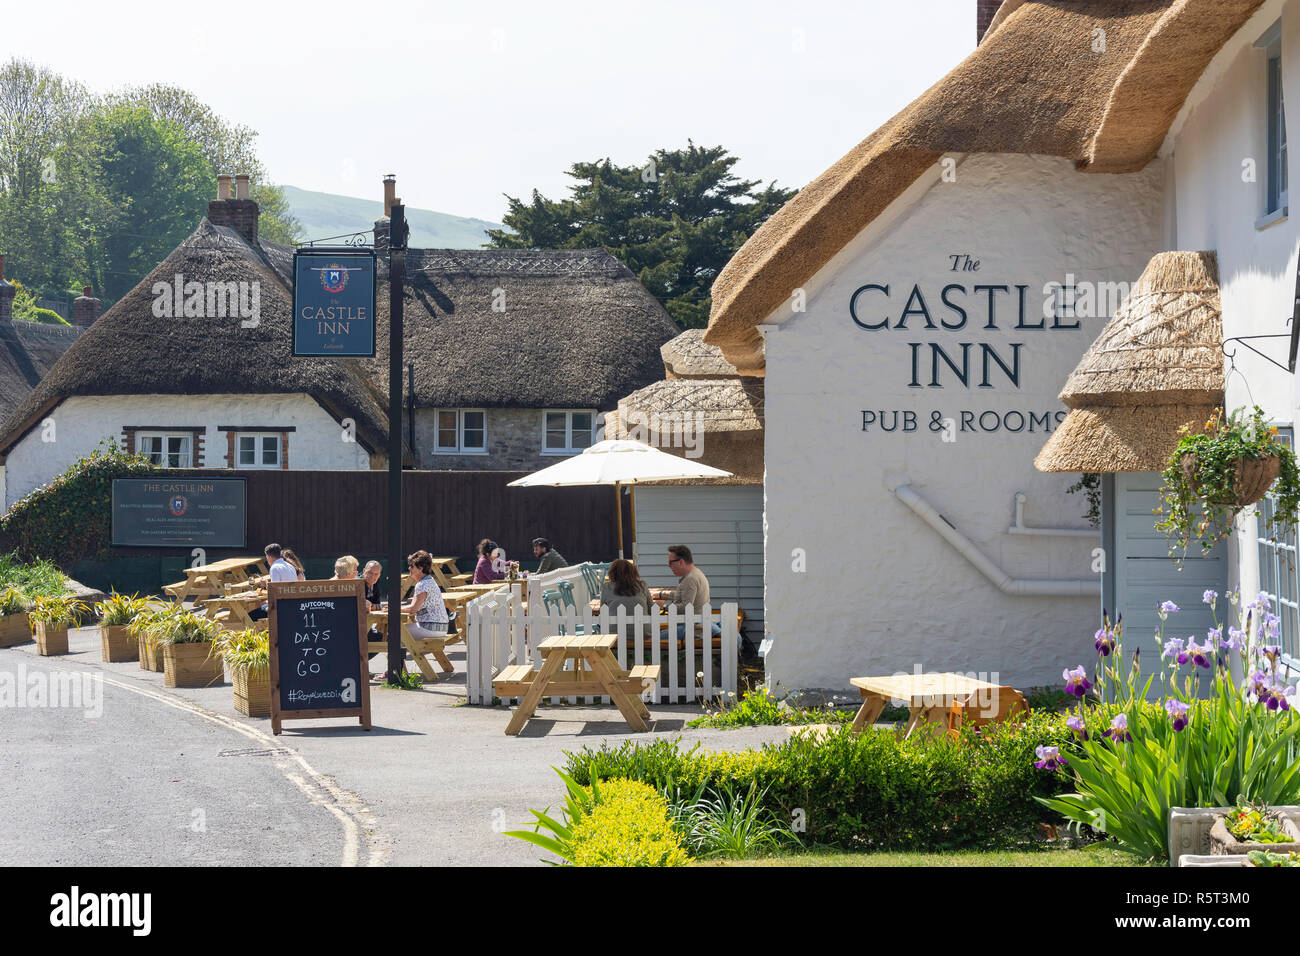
(1075, 723)
(1076, 681)
(1198, 653)
(1277, 697)
(1118, 731)
(1167, 608)
(1177, 711)
(1105, 642)
(1213, 637)
(1258, 685)
(1174, 648)
(1271, 625)
(1209, 597)
(1235, 637)
(1262, 602)
(1049, 758)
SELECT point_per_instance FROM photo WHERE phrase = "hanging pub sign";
(318, 645)
(334, 302)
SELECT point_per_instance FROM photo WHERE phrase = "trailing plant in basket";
(1201, 493)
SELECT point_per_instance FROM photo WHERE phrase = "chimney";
(239, 213)
(7, 293)
(85, 309)
(985, 10)
(382, 223)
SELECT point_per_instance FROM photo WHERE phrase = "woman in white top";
(426, 601)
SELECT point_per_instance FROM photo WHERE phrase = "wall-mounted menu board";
(318, 650)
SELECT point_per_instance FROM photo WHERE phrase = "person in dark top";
(550, 558)
(370, 574)
(483, 572)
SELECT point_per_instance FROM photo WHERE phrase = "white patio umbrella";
(618, 462)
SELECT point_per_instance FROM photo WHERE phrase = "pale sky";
(467, 101)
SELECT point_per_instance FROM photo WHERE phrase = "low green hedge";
(628, 827)
(871, 791)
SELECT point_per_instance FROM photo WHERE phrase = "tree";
(675, 222)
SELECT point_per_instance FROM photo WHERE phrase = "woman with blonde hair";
(345, 568)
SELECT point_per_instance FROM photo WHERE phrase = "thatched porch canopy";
(1155, 367)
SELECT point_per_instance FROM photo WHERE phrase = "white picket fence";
(498, 633)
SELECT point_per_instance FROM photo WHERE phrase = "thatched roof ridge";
(1163, 344)
(689, 356)
(1035, 85)
(130, 351)
(1104, 439)
(722, 404)
(523, 328)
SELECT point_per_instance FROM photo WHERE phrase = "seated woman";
(426, 601)
(484, 573)
(295, 563)
(623, 589)
(345, 568)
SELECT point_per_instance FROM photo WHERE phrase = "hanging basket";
(1253, 478)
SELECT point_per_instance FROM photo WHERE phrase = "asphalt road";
(135, 781)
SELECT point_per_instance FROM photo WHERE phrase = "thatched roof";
(1034, 85)
(689, 356)
(27, 351)
(130, 351)
(578, 329)
(1156, 366)
(721, 404)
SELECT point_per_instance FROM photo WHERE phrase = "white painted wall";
(1222, 125)
(882, 591)
(82, 422)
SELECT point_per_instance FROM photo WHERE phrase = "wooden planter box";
(15, 629)
(1223, 843)
(149, 655)
(118, 644)
(189, 665)
(51, 639)
(1251, 483)
(253, 693)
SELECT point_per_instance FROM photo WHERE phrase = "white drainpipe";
(1020, 587)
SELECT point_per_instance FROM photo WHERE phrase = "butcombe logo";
(178, 505)
(334, 277)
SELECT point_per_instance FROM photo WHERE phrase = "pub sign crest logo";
(334, 278)
(178, 505)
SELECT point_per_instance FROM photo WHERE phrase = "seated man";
(692, 589)
(550, 558)
(281, 570)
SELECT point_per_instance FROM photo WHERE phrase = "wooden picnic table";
(420, 647)
(445, 571)
(929, 697)
(210, 580)
(595, 672)
(237, 607)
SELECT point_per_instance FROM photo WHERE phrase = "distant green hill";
(324, 214)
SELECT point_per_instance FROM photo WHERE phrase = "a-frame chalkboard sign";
(318, 651)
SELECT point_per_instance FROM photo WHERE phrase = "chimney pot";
(985, 11)
(239, 213)
(85, 309)
(390, 188)
(241, 186)
(223, 188)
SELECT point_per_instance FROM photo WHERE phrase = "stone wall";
(514, 442)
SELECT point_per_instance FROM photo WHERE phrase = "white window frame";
(568, 414)
(1275, 201)
(459, 448)
(259, 449)
(188, 437)
(1278, 563)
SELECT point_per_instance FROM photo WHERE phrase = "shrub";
(731, 825)
(57, 610)
(71, 517)
(119, 610)
(1134, 759)
(758, 708)
(629, 826)
(868, 791)
(248, 650)
(35, 579)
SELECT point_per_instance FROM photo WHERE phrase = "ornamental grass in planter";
(15, 623)
(117, 612)
(1214, 473)
(53, 615)
(149, 651)
(187, 643)
(248, 654)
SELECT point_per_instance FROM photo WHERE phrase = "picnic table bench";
(595, 672)
(936, 698)
(232, 610)
(211, 580)
(420, 647)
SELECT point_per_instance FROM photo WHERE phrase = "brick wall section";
(239, 214)
(85, 309)
(984, 13)
(514, 442)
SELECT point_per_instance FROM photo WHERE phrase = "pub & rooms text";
(966, 420)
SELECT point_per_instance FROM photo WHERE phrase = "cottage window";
(1275, 174)
(168, 451)
(460, 431)
(566, 433)
(1278, 574)
(257, 450)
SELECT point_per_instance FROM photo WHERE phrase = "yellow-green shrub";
(628, 827)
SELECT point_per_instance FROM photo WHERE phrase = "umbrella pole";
(618, 512)
(632, 492)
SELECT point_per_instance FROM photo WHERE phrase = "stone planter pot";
(117, 644)
(1251, 483)
(149, 655)
(51, 639)
(1223, 843)
(191, 665)
(1195, 859)
(1189, 829)
(252, 692)
(15, 629)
